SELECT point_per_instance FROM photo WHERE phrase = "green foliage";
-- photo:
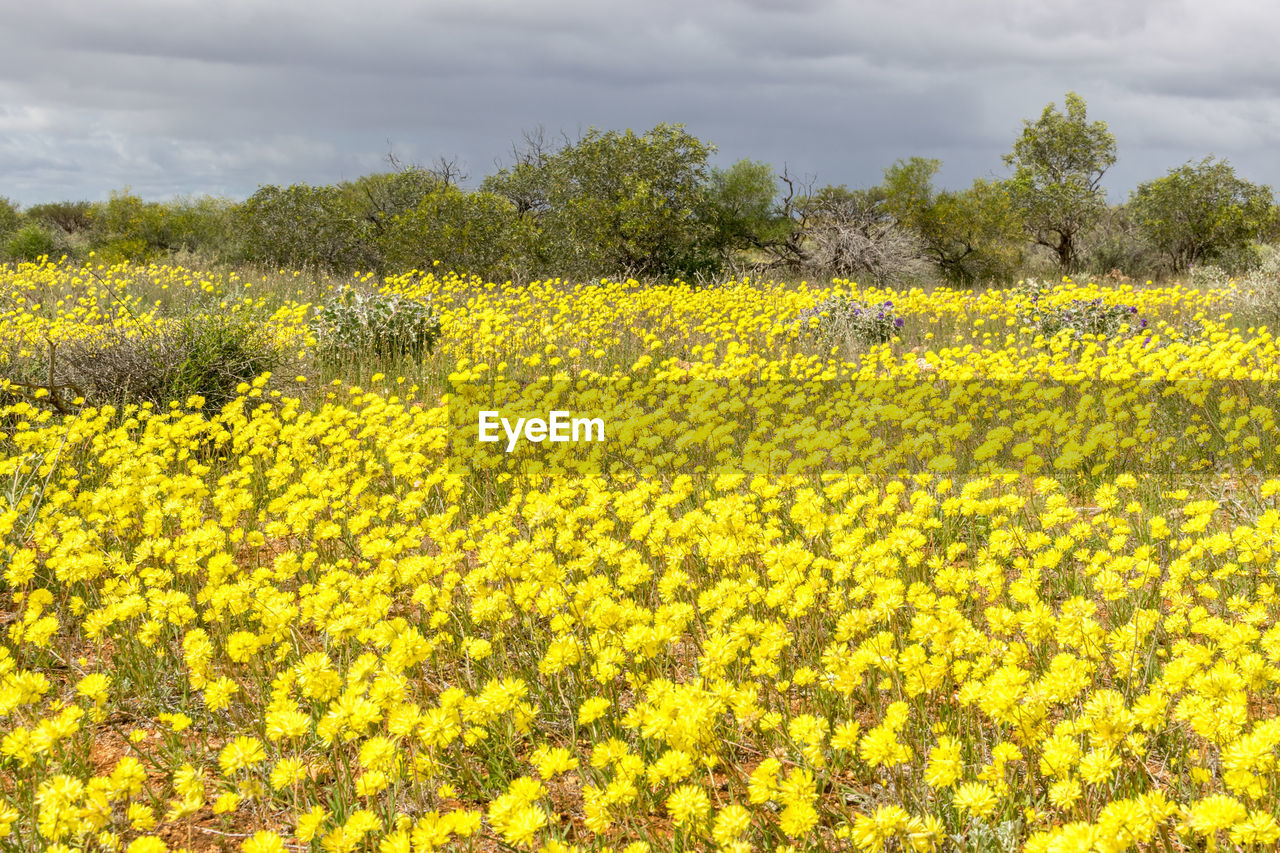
(71, 217)
(971, 236)
(10, 218)
(526, 184)
(1058, 163)
(473, 232)
(1202, 211)
(126, 228)
(617, 202)
(307, 227)
(741, 208)
(201, 354)
(29, 243)
(384, 325)
(204, 224)
(383, 196)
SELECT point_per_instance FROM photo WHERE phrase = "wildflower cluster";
(957, 590)
(1097, 316)
(839, 319)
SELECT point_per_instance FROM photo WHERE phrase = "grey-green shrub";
(841, 320)
(1079, 316)
(384, 325)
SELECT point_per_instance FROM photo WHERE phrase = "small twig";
(114, 295)
(243, 835)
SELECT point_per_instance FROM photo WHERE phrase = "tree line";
(651, 205)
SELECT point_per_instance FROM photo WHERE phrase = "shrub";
(206, 355)
(10, 218)
(1256, 296)
(473, 232)
(70, 217)
(384, 325)
(1202, 212)
(841, 320)
(306, 227)
(29, 244)
(1079, 316)
(851, 233)
(134, 250)
(1206, 276)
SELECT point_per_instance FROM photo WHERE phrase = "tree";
(617, 202)
(472, 232)
(302, 226)
(1058, 163)
(1202, 211)
(385, 195)
(741, 209)
(127, 228)
(525, 182)
(971, 235)
(10, 218)
(71, 217)
(202, 223)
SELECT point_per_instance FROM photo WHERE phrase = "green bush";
(10, 218)
(131, 249)
(1201, 212)
(29, 243)
(306, 227)
(382, 325)
(71, 217)
(617, 202)
(469, 232)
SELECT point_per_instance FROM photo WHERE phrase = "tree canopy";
(1200, 211)
(1058, 163)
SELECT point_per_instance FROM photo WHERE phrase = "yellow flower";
(731, 823)
(688, 806)
(975, 799)
(8, 815)
(148, 844)
(1259, 828)
(140, 816)
(242, 752)
(552, 761)
(309, 824)
(945, 766)
(592, 709)
(1213, 814)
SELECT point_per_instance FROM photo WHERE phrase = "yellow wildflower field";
(975, 588)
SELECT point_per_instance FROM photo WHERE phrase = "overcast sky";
(195, 96)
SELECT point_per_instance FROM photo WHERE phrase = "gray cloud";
(177, 96)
